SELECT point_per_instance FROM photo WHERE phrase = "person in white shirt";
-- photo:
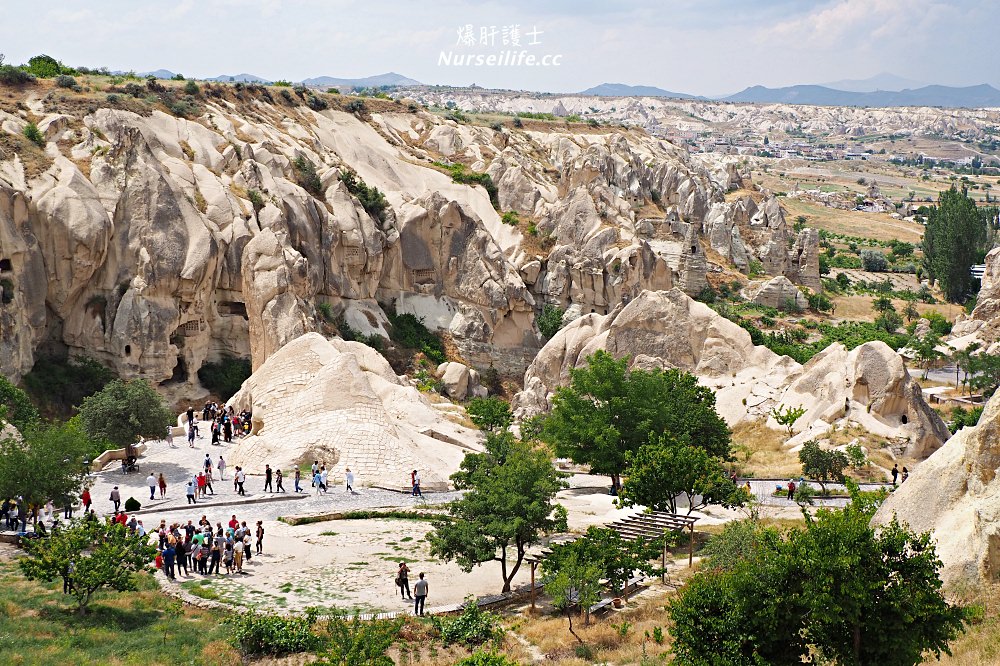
(322, 478)
(350, 480)
(151, 482)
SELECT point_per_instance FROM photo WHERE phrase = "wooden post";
(533, 565)
(663, 560)
(691, 548)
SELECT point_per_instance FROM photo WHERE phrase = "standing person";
(116, 498)
(170, 436)
(236, 479)
(349, 475)
(323, 476)
(208, 465)
(201, 484)
(190, 415)
(241, 478)
(163, 485)
(298, 480)
(190, 493)
(221, 466)
(68, 508)
(316, 483)
(218, 543)
(420, 591)
(238, 552)
(415, 480)
(86, 499)
(791, 490)
(895, 473)
(208, 483)
(168, 560)
(151, 482)
(260, 537)
(315, 471)
(247, 541)
(215, 433)
(906, 475)
(267, 479)
(277, 478)
(403, 581)
(181, 550)
(191, 436)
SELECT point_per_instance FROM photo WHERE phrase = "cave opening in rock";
(128, 350)
(180, 373)
(6, 291)
(6, 265)
(902, 419)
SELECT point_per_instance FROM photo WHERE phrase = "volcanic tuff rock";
(340, 402)
(956, 495)
(868, 385)
(777, 293)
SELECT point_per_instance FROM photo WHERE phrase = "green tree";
(787, 416)
(550, 320)
(665, 469)
(926, 351)
(354, 642)
(957, 235)
(45, 463)
(985, 374)
(883, 304)
(964, 361)
(608, 411)
(89, 555)
(616, 557)
(121, 412)
(910, 311)
(854, 593)
(572, 580)
(822, 464)
(15, 406)
(45, 66)
(509, 503)
(490, 413)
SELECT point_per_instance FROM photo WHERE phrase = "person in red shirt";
(121, 518)
(85, 498)
(201, 484)
(234, 523)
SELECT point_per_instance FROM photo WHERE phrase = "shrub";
(459, 174)
(256, 200)
(34, 135)
(510, 217)
(333, 91)
(482, 658)
(44, 66)
(410, 332)
(282, 83)
(191, 88)
(532, 229)
(254, 633)
(132, 505)
(65, 81)
(317, 103)
(819, 302)
(325, 311)
(550, 320)
(472, 628)
(62, 385)
(225, 377)
(14, 76)
(371, 198)
(355, 106)
(490, 413)
(15, 406)
(306, 176)
(874, 261)
(357, 643)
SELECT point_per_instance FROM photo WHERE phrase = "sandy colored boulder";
(340, 402)
(778, 292)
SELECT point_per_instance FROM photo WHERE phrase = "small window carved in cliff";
(6, 265)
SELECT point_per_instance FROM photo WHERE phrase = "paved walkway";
(180, 463)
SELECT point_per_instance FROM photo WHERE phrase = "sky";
(707, 47)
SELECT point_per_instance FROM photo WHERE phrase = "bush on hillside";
(225, 377)
(409, 331)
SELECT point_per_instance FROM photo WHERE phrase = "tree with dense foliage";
(822, 464)
(572, 581)
(550, 320)
(925, 350)
(874, 261)
(44, 463)
(490, 413)
(839, 587)
(608, 411)
(15, 406)
(985, 374)
(122, 412)
(957, 236)
(88, 555)
(509, 503)
(665, 469)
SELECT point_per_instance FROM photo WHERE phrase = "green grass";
(38, 625)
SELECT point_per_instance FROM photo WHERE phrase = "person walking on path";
(190, 415)
(151, 482)
(86, 499)
(895, 473)
(349, 476)
(221, 466)
(267, 479)
(201, 484)
(315, 471)
(403, 581)
(415, 480)
(170, 436)
(241, 478)
(208, 483)
(323, 476)
(420, 591)
(260, 537)
(298, 480)
(208, 465)
(317, 483)
(791, 490)
(163, 485)
(116, 498)
(277, 478)
(190, 493)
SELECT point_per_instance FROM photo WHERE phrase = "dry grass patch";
(761, 451)
(980, 644)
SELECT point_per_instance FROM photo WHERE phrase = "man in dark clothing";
(168, 561)
(895, 473)
(267, 479)
(420, 590)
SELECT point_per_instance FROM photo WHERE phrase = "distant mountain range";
(387, 79)
(983, 95)
(879, 90)
(624, 90)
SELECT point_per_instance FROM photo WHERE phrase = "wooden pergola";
(645, 526)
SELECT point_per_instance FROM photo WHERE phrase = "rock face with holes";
(868, 386)
(340, 403)
(955, 494)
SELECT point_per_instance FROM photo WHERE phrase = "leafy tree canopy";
(490, 413)
(121, 412)
(509, 503)
(608, 411)
(45, 463)
(957, 235)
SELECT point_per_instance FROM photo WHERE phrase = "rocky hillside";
(156, 228)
